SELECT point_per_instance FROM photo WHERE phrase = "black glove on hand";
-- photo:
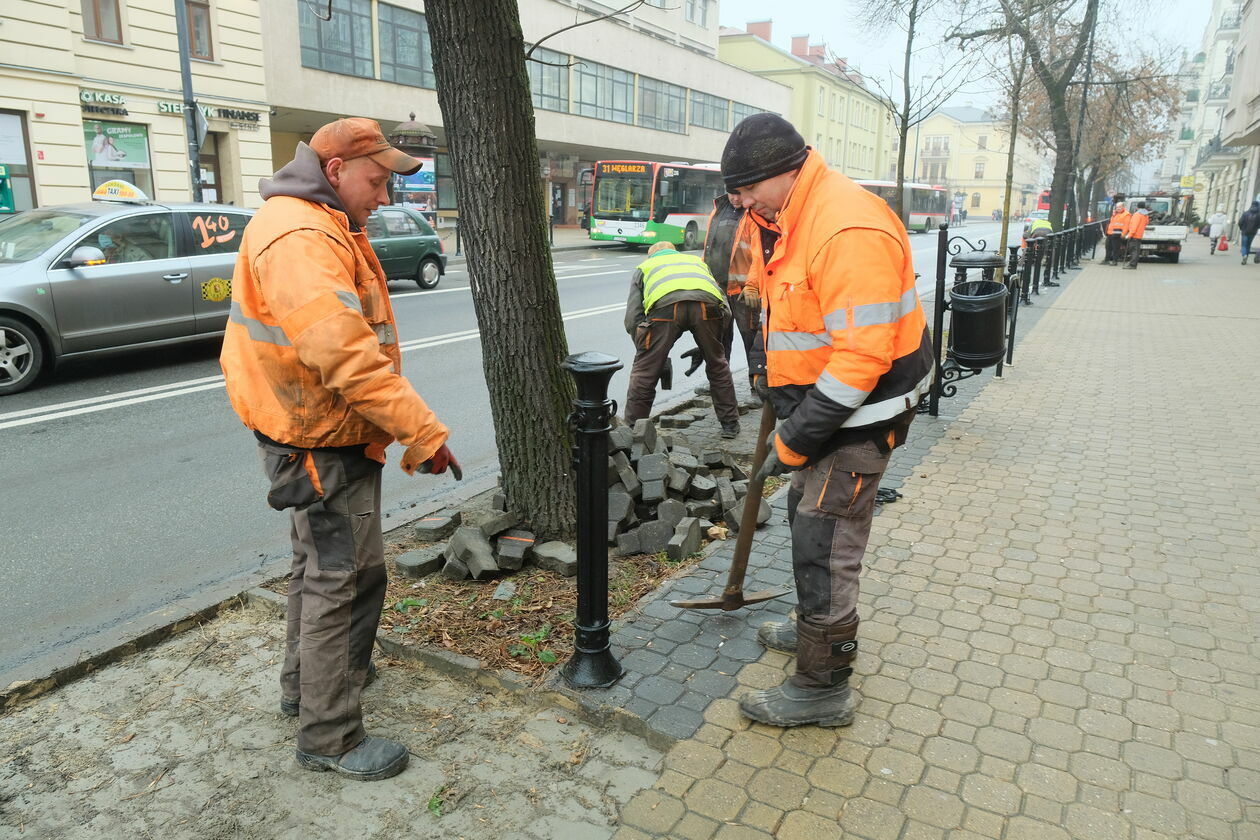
(696, 357)
(772, 464)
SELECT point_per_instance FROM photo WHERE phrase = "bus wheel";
(690, 237)
(927, 226)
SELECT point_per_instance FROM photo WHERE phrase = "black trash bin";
(977, 328)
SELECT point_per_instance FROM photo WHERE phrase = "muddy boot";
(779, 635)
(372, 760)
(293, 706)
(819, 691)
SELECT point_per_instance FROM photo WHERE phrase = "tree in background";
(1055, 35)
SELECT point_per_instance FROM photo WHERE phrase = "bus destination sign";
(623, 169)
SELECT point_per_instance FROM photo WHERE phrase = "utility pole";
(190, 104)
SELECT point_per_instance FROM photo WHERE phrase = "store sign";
(1187, 182)
(165, 107)
(100, 102)
(116, 145)
(422, 180)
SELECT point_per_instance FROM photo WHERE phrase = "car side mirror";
(86, 255)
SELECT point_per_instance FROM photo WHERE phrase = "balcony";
(1230, 24)
(930, 152)
(1217, 92)
(1215, 149)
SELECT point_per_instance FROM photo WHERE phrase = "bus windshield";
(623, 192)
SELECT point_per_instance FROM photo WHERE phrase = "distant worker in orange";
(1134, 231)
(1115, 232)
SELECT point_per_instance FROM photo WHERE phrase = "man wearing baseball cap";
(313, 368)
(845, 354)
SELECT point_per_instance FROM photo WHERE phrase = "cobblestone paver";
(1059, 619)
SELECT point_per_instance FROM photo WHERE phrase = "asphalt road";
(128, 482)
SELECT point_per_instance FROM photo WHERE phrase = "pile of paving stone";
(480, 545)
(663, 496)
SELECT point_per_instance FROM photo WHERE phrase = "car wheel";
(429, 273)
(691, 237)
(21, 356)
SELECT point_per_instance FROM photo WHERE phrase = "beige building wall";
(838, 117)
(965, 150)
(56, 80)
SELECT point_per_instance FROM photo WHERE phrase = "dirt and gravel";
(186, 741)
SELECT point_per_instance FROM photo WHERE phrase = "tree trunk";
(899, 207)
(1016, 89)
(483, 91)
(1063, 163)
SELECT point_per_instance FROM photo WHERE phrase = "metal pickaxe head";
(732, 600)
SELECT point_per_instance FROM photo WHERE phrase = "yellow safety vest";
(1040, 224)
(670, 271)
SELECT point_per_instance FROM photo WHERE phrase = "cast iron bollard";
(593, 664)
(1055, 246)
(1025, 273)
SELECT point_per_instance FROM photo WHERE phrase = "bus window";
(688, 191)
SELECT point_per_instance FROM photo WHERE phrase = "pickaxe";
(733, 596)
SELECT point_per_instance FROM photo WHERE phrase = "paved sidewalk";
(1059, 619)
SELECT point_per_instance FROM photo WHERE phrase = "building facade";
(645, 85)
(830, 107)
(1241, 129)
(90, 91)
(965, 150)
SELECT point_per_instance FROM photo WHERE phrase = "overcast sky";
(1169, 24)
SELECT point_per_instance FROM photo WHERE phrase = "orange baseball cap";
(357, 137)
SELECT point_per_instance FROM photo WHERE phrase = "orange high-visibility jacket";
(1136, 226)
(728, 252)
(1119, 221)
(846, 339)
(311, 356)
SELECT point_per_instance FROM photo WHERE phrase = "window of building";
(662, 105)
(549, 82)
(406, 57)
(975, 199)
(200, 43)
(118, 150)
(979, 169)
(739, 110)
(936, 144)
(445, 183)
(101, 20)
(708, 111)
(822, 101)
(983, 142)
(16, 185)
(698, 11)
(340, 45)
(603, 92)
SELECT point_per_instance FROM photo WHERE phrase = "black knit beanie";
(760, 147)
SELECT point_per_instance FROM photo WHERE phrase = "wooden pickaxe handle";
(733, 595)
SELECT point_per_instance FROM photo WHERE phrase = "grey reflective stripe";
(743, 245)
(884, 410)
(385, 333)
(798, 341)
(909, 301)
(836, 391)
(258, 331)
(687, 275)
(872, 314)
(742, 278)
(836, 320)
(351, 300)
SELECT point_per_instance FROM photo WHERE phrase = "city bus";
(926, 205)
(1043, 200)
(643, 202)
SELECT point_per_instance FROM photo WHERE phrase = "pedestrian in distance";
(1115, 232)
(312, 365)
(1216, 227)
(1248, 224)
(1134, 230)
(846, 357)
(672, 294)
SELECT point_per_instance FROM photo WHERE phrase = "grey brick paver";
(1059, 617)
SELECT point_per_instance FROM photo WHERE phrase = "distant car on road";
(103, 276)
(406, 245)
(1036, 214)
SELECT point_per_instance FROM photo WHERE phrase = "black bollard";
(593, 664)
(938, 319)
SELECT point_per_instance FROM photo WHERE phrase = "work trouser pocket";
(344, 520)
(852, 479)
(294, 478)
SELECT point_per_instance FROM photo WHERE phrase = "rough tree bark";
(483, 91)
(903, 123)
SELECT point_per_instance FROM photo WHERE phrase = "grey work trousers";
(1135, 252)
(830, 507)
(336, 586)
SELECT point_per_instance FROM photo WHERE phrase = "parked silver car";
(99, 277)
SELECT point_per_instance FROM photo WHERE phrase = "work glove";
(777, 458)
(751, 297)
(759, 385)
(437, 463)
(696, 357)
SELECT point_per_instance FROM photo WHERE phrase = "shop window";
(549, 81)
(16, 185)
(662, 106)
(603, 92)
(406, 54)
(342, 44)
(101, 21)
(200, 44)
(445, 183)
(708, 111)
(118, 150)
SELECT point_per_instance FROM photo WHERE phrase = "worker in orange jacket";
(312, 366)
(1115, 232)
(846, 355)
(730, 256)
(1134, 230)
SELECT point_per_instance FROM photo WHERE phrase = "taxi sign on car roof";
(119, 191)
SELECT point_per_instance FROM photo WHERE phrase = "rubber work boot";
(730, 430)
(293, 707)
(819, 692)
(779, 635)
(371, 760)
